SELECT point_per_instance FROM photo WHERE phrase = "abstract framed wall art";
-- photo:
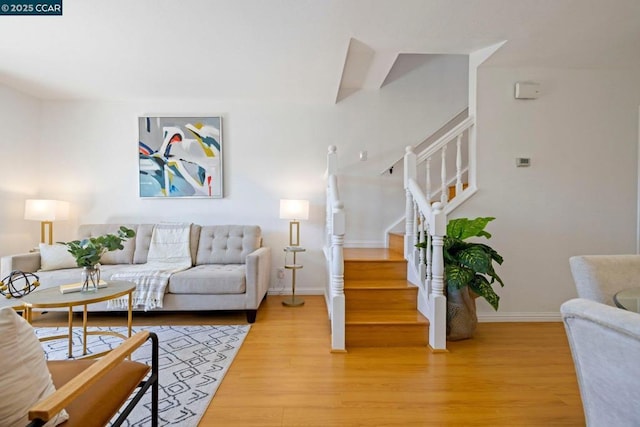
(180, 157)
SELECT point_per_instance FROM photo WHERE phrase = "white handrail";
(445, 139)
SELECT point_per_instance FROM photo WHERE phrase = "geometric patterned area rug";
(192, 363)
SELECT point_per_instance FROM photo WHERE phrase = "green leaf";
(458, 276)
(494, 277)
(476, 258)
(87, 252)
(494, 255)
(482, 287)
(463, 228)
(470, 263)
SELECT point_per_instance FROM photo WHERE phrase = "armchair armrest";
(258, 275)
(27, 262)
(45, 409)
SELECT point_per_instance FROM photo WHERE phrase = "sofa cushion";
(227, 244)
(143, 240)
(209, 279)
(55, 257)
(123, 256)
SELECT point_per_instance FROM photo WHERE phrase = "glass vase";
(90, 278)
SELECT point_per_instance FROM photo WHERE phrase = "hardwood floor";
(509, 374)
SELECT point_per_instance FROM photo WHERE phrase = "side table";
(293, 301)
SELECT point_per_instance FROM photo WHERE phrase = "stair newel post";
(337, 278)
(443, 176)
(459, 165)
(332, 170)
(410, 173)
(332, 160)
(438, 329)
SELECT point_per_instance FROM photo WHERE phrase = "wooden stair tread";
(371, 254)
(378, 284)
(386, 317)
(380, 303)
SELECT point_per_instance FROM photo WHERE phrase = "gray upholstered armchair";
(599, 277)
(605, 344)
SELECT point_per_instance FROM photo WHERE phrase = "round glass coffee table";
(53, 298)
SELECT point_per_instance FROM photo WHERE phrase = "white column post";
(337, 279)
(438, 327)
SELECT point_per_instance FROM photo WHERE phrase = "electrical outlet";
(280, 278)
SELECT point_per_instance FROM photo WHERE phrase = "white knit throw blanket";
(168, 253)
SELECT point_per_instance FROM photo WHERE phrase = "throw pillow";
(55, 257)
(24, 376)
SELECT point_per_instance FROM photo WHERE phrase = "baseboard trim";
(520, 317)
(299, 291)
(482, 317)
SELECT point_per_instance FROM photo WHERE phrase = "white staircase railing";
(426, 212)
(456, 171)
(334, 246)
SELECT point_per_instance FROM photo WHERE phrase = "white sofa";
(230, 268)
(605, 345)
(600, 277)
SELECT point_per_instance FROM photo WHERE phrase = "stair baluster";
(459, 164)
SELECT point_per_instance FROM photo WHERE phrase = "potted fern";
(469, 273)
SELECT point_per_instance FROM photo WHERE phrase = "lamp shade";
(46, 210)
(294, 209)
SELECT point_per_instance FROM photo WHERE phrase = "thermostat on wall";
(527, 90)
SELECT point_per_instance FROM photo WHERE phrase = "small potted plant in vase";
(87, 253)
(469, 273)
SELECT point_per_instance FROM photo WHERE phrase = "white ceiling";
(294, 50)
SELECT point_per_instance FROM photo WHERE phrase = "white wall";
(20, 124)
(89, 157)
(578, 196)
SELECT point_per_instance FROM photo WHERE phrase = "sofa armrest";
(27, 262)
(258, 275)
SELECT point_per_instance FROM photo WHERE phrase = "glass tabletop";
(53, 298)
(629, 299)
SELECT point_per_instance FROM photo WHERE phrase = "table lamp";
(294, 210)
(46, 211)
